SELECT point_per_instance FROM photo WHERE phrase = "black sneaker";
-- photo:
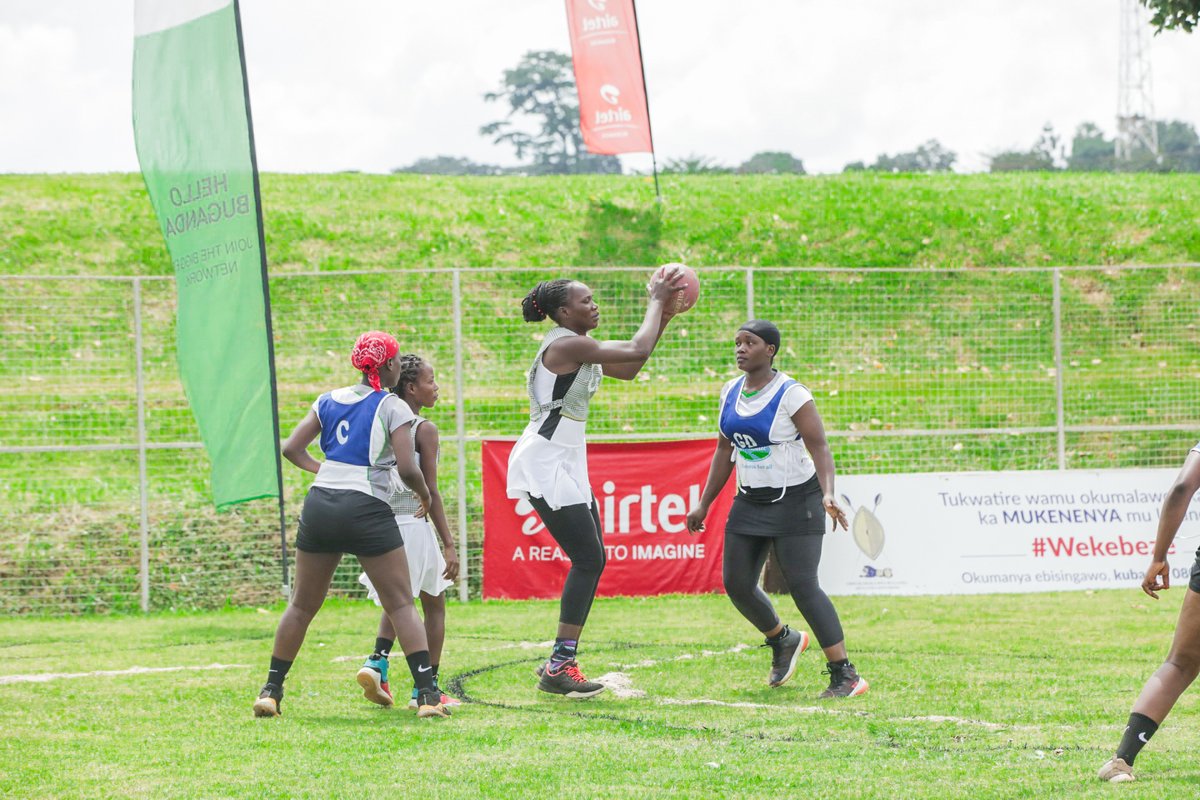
(269, 701)
(429, 704)
(844, 681)
(568, 681)
(785, 650)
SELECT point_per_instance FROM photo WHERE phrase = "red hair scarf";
(371, 350)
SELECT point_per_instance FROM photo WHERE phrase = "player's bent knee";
(393, 602)
(1188, 665)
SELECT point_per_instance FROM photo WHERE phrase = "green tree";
(1179, 146)
(1178, 150)
(772, 163)
(1020, 161)
(1045, 155)
(932, 156)
(448, 165)
(1091, 151)
(542, 88)
(1173, 14)
(692, 165)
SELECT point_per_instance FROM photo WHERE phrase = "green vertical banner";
(192, 128)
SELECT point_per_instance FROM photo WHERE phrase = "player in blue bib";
(364, 433)
(770, 428)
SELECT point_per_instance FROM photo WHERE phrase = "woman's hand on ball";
(666, 282)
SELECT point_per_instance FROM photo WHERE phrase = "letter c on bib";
(342, 431)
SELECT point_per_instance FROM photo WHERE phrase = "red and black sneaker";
(784, 652)
(844, 681)
(567, 680)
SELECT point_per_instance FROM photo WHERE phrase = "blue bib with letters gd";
(754, 431)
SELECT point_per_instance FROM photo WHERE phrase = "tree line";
(1091, 151)
(542, 126)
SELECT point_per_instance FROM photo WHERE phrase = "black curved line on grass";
(457, 686)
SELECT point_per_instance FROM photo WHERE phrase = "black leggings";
(577, 531)
(798, 557)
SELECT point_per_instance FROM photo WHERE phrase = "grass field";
(103, 224)
(971, 697)
(967, 348)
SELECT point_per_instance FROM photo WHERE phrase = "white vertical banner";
(985, 532)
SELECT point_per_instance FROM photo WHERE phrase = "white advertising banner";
(982, 532)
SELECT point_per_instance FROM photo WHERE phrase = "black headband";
(764, 330)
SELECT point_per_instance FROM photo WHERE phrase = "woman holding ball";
(769, 427)
(548, 464)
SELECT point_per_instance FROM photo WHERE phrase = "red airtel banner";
(613, 113)
(644, 491)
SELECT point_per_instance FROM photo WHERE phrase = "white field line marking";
(620, 684)
(649, 662)
(666, 701)
(44, 677)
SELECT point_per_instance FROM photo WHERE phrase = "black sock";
(564, 650)
(840, 664)
(434, 667)
(383, 647)
(1137, 734)
(279, 670)
(422, 673)
(779, 636)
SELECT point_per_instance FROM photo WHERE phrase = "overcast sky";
(375, 84)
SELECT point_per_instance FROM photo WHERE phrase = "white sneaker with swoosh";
(1115, 770)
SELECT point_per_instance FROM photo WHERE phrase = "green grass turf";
(971, 697)
(103, 224)
(964, 349)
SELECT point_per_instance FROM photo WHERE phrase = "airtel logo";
(603, 23)
(532, 523)
(610, 94)
(597, 4)
(642, 510)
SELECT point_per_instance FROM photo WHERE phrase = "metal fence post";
(143, 493)
(1060, 417)
(460, 423)
(750, 293)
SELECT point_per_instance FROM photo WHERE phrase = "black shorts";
(1194, 583)
(798, 513)
(347, 521)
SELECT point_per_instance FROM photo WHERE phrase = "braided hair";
(410, 371)
(545, 299)
(370, 352)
